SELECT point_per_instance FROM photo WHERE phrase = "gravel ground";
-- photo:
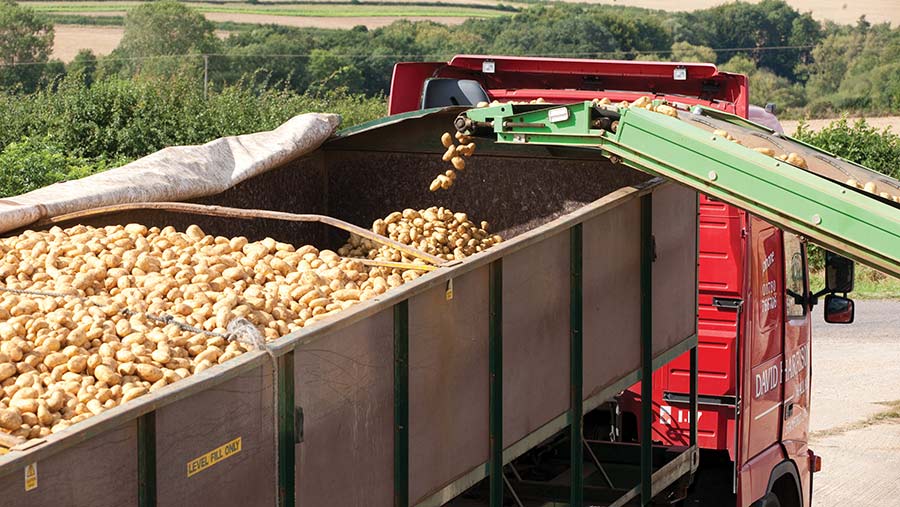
(855, 367)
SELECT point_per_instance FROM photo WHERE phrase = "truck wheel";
(770, 500)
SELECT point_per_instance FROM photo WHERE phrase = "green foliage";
(859, 142)
(85, 65)
(765, 86)
(155, 30)
(687, 52)
(78, 129)
(856, 70)
(25, 41)
(757, 25)
(34, 163)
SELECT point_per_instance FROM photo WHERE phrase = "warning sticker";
(214, 456)
(30, 476)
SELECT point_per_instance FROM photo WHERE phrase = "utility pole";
(205, 75)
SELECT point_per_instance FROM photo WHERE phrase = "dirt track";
(856, 369)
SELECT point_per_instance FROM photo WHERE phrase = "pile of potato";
(94, 340)
(436, 230)
(64, 359)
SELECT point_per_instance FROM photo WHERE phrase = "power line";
(595, 54)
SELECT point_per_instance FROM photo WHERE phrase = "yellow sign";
(30, 476)
(209, 459)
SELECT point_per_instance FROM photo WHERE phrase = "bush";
(34, 163)
(79, 129)
(860, 143)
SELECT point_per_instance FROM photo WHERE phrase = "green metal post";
(287, 437)
(495, 365)
(146, 456)
(401, 404)
(693, 395)
(646, 348)
(694, 350)
(576, 367)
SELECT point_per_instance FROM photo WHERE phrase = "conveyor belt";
(815, 202)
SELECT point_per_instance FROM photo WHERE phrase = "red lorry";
(754, 296)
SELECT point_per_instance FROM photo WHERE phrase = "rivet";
(816, 219)
(713, 176)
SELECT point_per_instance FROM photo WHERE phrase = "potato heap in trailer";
(95, 317)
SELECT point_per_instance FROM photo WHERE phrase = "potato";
(458, 163)
(447, 140)
(449, 154)
(10, 419)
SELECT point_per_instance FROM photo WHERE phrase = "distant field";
(374, 14)
(316, 9)
(790, 126)
(841, 11)
(70, 39)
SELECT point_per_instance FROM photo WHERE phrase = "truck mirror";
(838, 273)
(838, 310)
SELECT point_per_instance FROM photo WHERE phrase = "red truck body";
(754, 342)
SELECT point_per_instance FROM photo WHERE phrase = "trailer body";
(413, 397)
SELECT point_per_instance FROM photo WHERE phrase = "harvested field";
(70, 39)
(325, 22)
(790, 126)
(840, 11)
(327, 10)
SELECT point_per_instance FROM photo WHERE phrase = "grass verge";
(869, 284)
(890, 414)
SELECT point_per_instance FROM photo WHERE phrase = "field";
(840, 11)
(790, 126)
(315, 9)
(69, 39)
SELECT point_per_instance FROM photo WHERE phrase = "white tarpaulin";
(175, 174)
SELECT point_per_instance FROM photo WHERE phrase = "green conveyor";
(815, 202)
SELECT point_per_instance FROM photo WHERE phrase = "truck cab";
(754, 297)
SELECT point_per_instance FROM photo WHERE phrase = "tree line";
(63, 121)
(807, 67)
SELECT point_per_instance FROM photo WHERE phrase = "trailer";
(414, 397)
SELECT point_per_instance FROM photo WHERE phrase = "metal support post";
(646, 246)
(401, 404)
(693, 396)
(205, 75)
(495, 365)
(287, 437)
(576, 367)
(146, 456)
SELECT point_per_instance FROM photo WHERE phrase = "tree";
(85, 65)
(687, 52)
(165, 28)
(765, 86)
(767, 24)
(26, 40)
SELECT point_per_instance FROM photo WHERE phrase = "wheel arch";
(786, 470)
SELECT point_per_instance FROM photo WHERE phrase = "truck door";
(762, 397)
(797, 355)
